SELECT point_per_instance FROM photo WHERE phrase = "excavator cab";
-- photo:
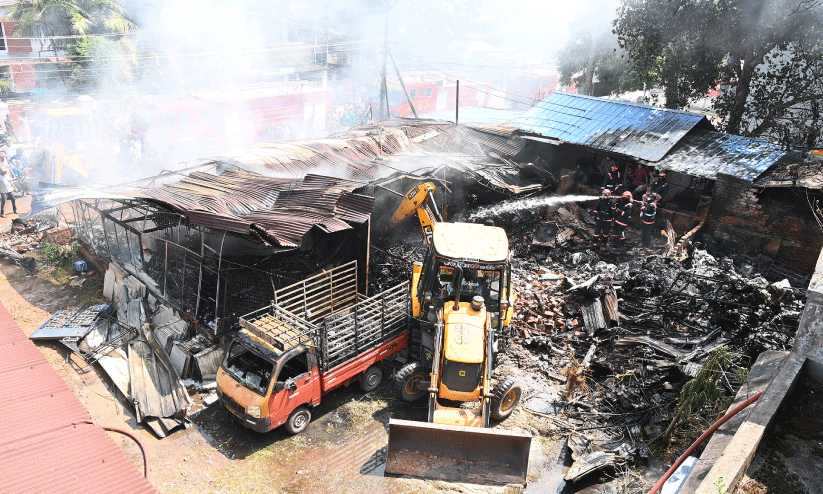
(461, 296)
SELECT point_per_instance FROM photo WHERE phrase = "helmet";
(614, 167)
(627, 195)
(662, 174)
(607, 192)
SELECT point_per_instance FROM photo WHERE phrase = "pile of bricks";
(21, 237)
(539, 306)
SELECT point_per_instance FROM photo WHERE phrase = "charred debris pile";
(619, 333)
(151, 355)
(616, 334)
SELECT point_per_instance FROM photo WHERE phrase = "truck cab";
(271, 384)
(317, 335)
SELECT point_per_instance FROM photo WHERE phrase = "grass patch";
(261, 470)
(359, 415)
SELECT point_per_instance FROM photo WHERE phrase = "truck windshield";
(477, 280)
(250, 369)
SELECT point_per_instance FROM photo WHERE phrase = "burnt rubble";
(620, 332)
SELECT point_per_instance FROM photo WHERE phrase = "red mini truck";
(318, 334)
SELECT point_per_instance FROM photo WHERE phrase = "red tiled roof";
(44, 444)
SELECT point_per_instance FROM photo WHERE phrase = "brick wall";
(738, 221)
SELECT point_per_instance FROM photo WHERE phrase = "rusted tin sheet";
(45, 444)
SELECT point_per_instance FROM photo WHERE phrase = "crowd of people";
(617, 197)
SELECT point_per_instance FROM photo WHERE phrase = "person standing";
(661, 186)
(641, 179)
(10, 128)
(23, 131)
(7, 190)
(612, 180)
(603, 215)
(21, 172)
(648, 214)
(623, 214)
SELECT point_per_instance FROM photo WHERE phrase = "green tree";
(74, 27)
(592, 50)
(766, 54)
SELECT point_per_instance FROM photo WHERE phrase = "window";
(251, 370)
(428, 91)
(483, 282)
(2, 37)
(413, 93)
(294, 367)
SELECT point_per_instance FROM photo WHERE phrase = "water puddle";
(365, 455)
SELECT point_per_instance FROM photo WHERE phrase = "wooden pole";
(403, 85)
(384, 93)
(457, 103)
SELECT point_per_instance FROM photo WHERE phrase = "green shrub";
(57, 255)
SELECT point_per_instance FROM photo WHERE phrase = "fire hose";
(702, 438)
(129, 434)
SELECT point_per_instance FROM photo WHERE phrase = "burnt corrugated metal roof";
(639, 131)
(281, 210)
(706, 153)
(45, 443)
(275, 189)
(807, 174)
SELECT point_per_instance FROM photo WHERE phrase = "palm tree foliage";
(75, 28)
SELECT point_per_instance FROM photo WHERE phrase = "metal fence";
(215, 290)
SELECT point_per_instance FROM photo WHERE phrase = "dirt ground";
(342, 451)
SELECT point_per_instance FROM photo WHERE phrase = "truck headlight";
(253, 411)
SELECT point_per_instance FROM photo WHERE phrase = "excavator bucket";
(456, 453)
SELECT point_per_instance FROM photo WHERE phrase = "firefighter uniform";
(612, 181)
(603, 214)
(661, 186)
(623, 214)
(648, 213)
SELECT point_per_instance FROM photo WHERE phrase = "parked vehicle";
(460, 298)
(318, 335)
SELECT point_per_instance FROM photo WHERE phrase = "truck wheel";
(298, 420)
(407, 382)
(371, 378)
(507, 395)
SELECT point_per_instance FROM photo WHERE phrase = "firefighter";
(603, 215)
(622, 215)
(648, 213)
(612, 181)
(661, 186)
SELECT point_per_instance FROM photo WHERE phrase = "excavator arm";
(417, 201)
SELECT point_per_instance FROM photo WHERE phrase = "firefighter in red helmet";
(603, 215)
(622, 215)
(648, 215)
(613, 180)
(661, 186)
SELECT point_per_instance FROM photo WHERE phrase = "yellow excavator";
(461, 296)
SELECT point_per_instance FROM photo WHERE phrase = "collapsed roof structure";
(217, 241)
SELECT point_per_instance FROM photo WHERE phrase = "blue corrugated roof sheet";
(705, 154)
(639, 131)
